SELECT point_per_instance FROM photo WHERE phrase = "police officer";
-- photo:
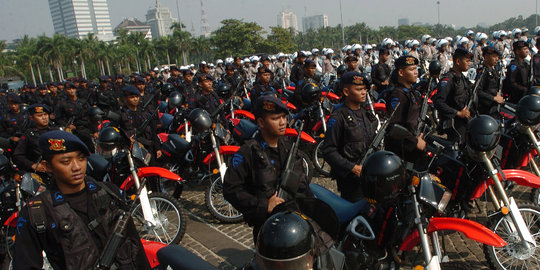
(263, 85)
(536, 63)
(489, 95)
(352, 63)
(516, 82)
(206, 98)
(105, 97)
(297, 71)
(73, 219)
(188, 87)
(453, 96)
(14, 121)
(350, 131)
(309, 78)
(27, 155)
(381, 71)
(407, 113)
(252, 176)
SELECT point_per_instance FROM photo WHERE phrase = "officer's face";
(53, 89)
(355, 93)
(273, 124)
(522, 52)
(41, 119)
(69, 170)
(14, 107)
(230, 72)
(409, 74)
(310, 70)
(132, 100)
(71, 92)
(188, 77)
(491, 59)
(140, 86)
(384, 57)
(206, 85)
(462, 64)
(265, 77)
(352, 64)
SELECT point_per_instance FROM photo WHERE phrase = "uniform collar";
(59, 198)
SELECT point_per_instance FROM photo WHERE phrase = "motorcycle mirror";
(113, 116)
(398, 131)
(31, 184)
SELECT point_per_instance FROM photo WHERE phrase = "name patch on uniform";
(513, 68)
(57, 145)
(331, 122)
(237, 160)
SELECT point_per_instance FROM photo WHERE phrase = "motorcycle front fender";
(243, 113)
(291, 132)
(520, 177)
(469, 228)
(150, 249)
(330, 95)
(318, 125)
(151, 171)
(224, 150)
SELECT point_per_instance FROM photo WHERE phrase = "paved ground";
(230, 246)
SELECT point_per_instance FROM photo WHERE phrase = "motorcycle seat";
(178, 257)
(344, 209)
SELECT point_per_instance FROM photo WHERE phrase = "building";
(287, 19)
(403, 21)
(133, 25)
(315, 22)
(78, 18)
(160, 21)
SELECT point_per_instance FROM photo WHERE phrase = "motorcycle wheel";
(168, 213)
(306, 164)
(220, 208)
(167, 186)
(513, 255)
(320, 164)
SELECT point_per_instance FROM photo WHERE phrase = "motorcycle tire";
(508, 257)
(309, 170)
(169, 214)
(318, 161)
(216, 204)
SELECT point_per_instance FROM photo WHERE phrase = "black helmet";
(4, 165)
(96, 114)
(341, 69)
(175, 100)
(97, 166)
(286, 241)
(224, 90)
(535, 90)
(167, 89)
(310, 93)
(528, 110)
(109, 138)
(383, 177)
(200, 120)
(435, 68)
(483, 134)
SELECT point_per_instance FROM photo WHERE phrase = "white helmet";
(524, 29)
(203, 62)
(387, 41)
(463, 40)
(348, 47)
(449, 39)
(469, 32)
(329, 51)
(441, 43)
(211, 65)
(536, 30)
(280, 54)
(415, 42)
(425, 38)
(356, 46)
(481, 36)
(368, 47)
(246, 60)
(219, 61)
(307, 53)
(408, 43)
(432, 41)
(229, 60)
(314, 50)
(503, 33)
(324, 51)
(294, 55)
(516, 31)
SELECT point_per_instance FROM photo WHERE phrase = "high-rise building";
(287, 19)
(160, 20)
(403, 21)
(78, 18)
(315, 22)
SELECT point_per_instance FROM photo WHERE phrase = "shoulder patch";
(237, 160)
(513, 68)
(331, 122)
(20, 223)
(394, 102)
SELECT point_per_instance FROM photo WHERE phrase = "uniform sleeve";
(376, 75)
(28, 250)
(332, 141)
(236, 184)
(517, 89)
(484, 95)
(440, 98)
(19, 156)
(400, 117)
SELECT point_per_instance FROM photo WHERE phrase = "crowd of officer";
(389, 72)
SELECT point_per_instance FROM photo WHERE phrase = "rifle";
(226, 102)
(474, 96)
(499, 92)
(377, 140)
(289, 182)
(69, 123)
(423, 110)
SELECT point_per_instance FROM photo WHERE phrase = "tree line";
(42, 59)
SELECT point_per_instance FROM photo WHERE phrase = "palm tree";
(182, 39)
(25, 52)
(54, 50)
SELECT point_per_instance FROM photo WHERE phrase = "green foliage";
(236, 37)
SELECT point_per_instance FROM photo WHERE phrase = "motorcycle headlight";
(107, 151)
(433, 193)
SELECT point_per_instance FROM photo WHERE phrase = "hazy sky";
(32, 17)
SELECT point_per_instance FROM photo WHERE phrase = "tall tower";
(78, 18)
(205, 27)
(160, 20)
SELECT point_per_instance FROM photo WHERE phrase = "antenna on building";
(205, 27)
(157, 4)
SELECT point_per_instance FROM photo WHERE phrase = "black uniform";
(452, 96)
(380, 73)
(346, 141)
(406, 115)
(516, 82)
(74, 230)
(209, 102)
(488, 88)
(252, 176)
(297, 73)
(536, 69)
(27, 151)
(106, 99)
(76, 113)
(131, 122)
(13, 124)
(263, 89)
